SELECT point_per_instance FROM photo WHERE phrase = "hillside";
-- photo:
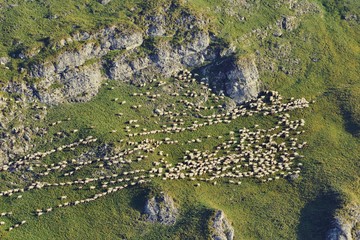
(183, 119)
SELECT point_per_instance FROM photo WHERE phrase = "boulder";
(237, 78)
(104, 2)
(289, 23)
(243, 80)
(345, 224)
(161, 209)
(220, 227)
(4, 60)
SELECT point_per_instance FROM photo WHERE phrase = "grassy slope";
(278, 210)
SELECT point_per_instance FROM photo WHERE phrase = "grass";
(196, 203)
(278, 210)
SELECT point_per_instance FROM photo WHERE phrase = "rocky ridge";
(70, 78)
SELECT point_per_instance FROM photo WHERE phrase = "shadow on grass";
(351, 124)
(193, 224)
(316, 217)
(140, 196)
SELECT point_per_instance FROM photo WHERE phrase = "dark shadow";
(351, 125)
(141, 194)
(139, 198)
(217, 68)
(194, 223)
(351, 122)
(317, 216)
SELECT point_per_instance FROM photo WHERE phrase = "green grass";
(301, 209)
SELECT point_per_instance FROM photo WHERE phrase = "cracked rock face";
(237, 79)
(243, 80)
(220, 227)
(74, 85)
(161, 209)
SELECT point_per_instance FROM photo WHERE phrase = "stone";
(237, 78)
(161, 209)
(4, 60)
(345, 225)
(74, 85)
(104, 2)
(74, 80)
(289, 23)
(293, 177)
(340, 231)
(220, 227)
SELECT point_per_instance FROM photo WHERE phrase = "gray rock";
(293, 177)
(220, 227)
(76, 85)
(80, 82)
(4, 60)
(340, 231)
(77, 82)
(243, 81)
(289, 23)
(157, 26)
(166, 60)
(238, 79)
(104, 1)
(344, 226)
(161, 209)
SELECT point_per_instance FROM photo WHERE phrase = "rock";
(340, 231)
(243, 81)
(277, 33)
(104, 2)
(156, 26)
(74, 85)
(220, 227)
(4, 60)
(345, 226)
(161, 209)
(164, 60)
(289, 23)
(293, 177)
(69, 78)
(80, 81)
(237, 78)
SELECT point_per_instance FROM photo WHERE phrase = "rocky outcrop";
(164, 61)
(236, 78)
(73, 85)
(161, 209)
(220, 227)
(341, 231)
(70, 71)
(346, 225)
(68, 78)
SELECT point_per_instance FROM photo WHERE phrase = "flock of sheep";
(264, 154)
